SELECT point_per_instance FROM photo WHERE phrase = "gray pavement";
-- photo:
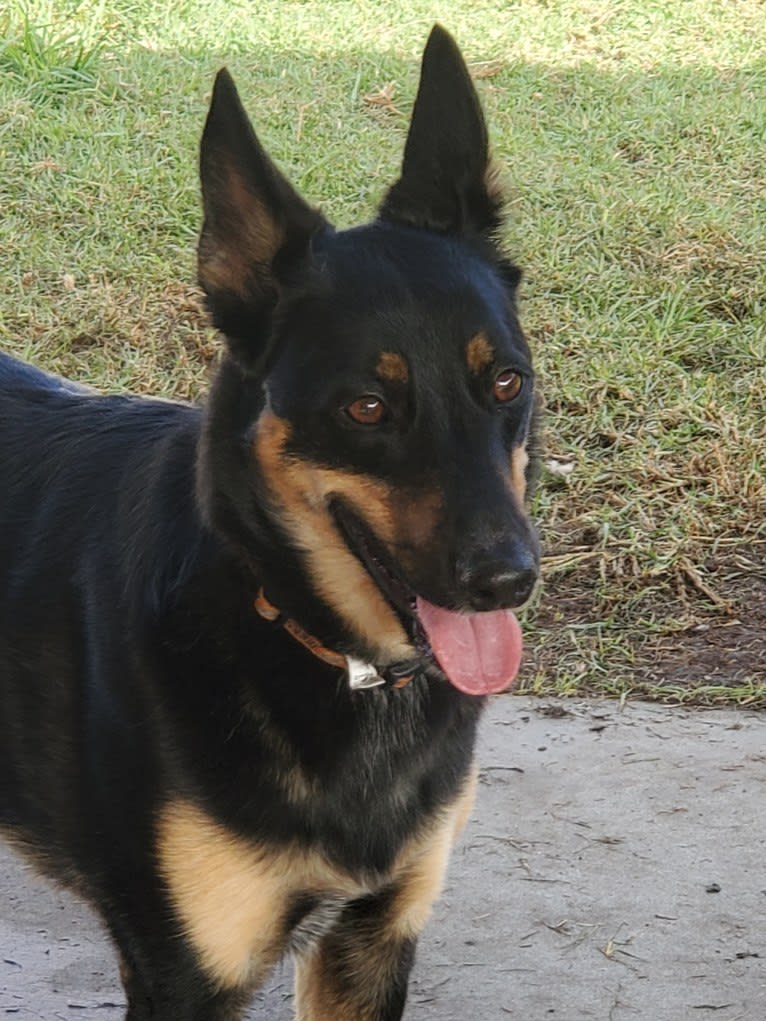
(615, 868)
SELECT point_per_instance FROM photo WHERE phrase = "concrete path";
(615, 869)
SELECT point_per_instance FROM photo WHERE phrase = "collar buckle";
(361, 675)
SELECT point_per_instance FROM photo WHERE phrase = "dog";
(244, 647)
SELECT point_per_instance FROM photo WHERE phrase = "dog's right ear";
(256, 229)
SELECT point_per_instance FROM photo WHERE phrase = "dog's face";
(384, 389)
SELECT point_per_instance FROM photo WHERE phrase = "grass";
(632, 136)
(46, 57)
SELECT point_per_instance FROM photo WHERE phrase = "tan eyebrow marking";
(479, 354)
(393, 367)
(519, 462)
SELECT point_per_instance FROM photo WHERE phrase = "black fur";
(136, 534)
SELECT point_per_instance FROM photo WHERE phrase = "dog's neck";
(361, 675)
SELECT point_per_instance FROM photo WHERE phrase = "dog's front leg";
(359, 970)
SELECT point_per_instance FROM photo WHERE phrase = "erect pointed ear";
(256, 226)
(446, 183)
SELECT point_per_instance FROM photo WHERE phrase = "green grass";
(632, 137)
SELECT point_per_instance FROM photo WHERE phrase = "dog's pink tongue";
(479, 652)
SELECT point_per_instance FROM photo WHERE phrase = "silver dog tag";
(362, 675)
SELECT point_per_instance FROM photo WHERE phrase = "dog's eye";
(507, 386)
(367, 410)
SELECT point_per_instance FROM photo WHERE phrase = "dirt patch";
(689, 633)
(728, 650)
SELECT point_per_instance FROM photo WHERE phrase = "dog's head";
(368, 433)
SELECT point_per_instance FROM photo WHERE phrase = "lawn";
(632, 136)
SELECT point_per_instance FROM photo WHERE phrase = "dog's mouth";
(379, 565)
(479, 653)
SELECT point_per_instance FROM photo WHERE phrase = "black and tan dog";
(243, 650)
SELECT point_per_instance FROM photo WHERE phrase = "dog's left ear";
(446, 183)
(256, 230)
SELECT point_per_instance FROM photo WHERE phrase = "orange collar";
(359, 674)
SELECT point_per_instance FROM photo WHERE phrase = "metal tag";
(362, 675)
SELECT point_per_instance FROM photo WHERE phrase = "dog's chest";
(238, 900)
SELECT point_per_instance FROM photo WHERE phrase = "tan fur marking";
(315, 997)
(479, 354)
(231, 252)
(393, 367)
(231, 894)
(300, 493)
(422, 884)
(423, 875)
(519, 462)
(464, 804)
(230, 897)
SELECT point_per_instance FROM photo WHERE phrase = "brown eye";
(507, 386)
(367, 410)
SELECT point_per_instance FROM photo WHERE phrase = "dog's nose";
(500, 583)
